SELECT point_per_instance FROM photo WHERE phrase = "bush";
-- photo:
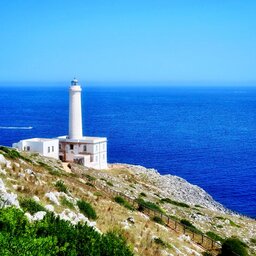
(158, 220)
(10, 153)
(159, 241)
(120, 200)
(87, 209)
(232, 247)
(148, 205)
(31, 206)
(189, 225)
(214, 236)
(114, 244)
(168, 200)
(143, 194)
(65, 202)
(53, 236)
(89, 184)
(110, 184)
(61, 187)
(89, 177)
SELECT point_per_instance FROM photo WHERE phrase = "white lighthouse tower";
(74, 147)
(75, 111)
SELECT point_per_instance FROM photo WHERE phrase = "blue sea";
(206, 135)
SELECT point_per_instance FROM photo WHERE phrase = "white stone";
(52, 197)
(2, 159)
(29, 171)
(36, 198)
(49, 207)
(39, 215)
(2, 171)
(29, 216)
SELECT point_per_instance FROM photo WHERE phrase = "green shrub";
(89, 177)
(90, 184)
(31, 206)
(214, 236)
(207, 254)
(65, 202)
(143, 194)
(114, 244)
(253, 240)
(189, 225)
(110, 184)
(159, 241)
(120, 200)
(87, 209)
(52, 171)
(148, 205)
(53, 236)
(233, 224)
(232, 247)
(10, 153)
(158, 220)
(61, 187)
(168, 200)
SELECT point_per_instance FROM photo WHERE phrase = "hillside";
(134, 200)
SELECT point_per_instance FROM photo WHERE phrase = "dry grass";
(114, 216)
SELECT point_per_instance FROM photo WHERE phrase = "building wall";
(40, 147)
(95, 154)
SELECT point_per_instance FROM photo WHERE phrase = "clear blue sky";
(141, 40)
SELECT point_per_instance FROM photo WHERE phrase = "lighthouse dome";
(74, 81)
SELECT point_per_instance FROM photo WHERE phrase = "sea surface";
(206, 135)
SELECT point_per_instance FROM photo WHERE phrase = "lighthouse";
(88, 151)
(75, 111)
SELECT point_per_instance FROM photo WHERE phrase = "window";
(96, 148)
(52, 148)
(49, 149)
(91, 158)
(27, 148)
(96, 158)
(104, 145)
(85, 149)
(103, 156)
(71, 146)
(59, 146)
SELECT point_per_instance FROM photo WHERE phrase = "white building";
(45, 147)
(88, 151)
(74, 147)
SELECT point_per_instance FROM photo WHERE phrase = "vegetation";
(65, 202)
(233, 224)
(110, 184)
(214, 236)
(158, 220)
(190, 226)
(143, 194)
(31, 206)
(253, 240)
(148, 205)
(53, 236)
(120, 200)
(52, 171)
(87, 209)
(90, 184)
(160, 242)
(61, 187)
(168, 200)
(233, 246)
(89, 177)
(13, 154)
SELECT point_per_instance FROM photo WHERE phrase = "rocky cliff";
(58, 188)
